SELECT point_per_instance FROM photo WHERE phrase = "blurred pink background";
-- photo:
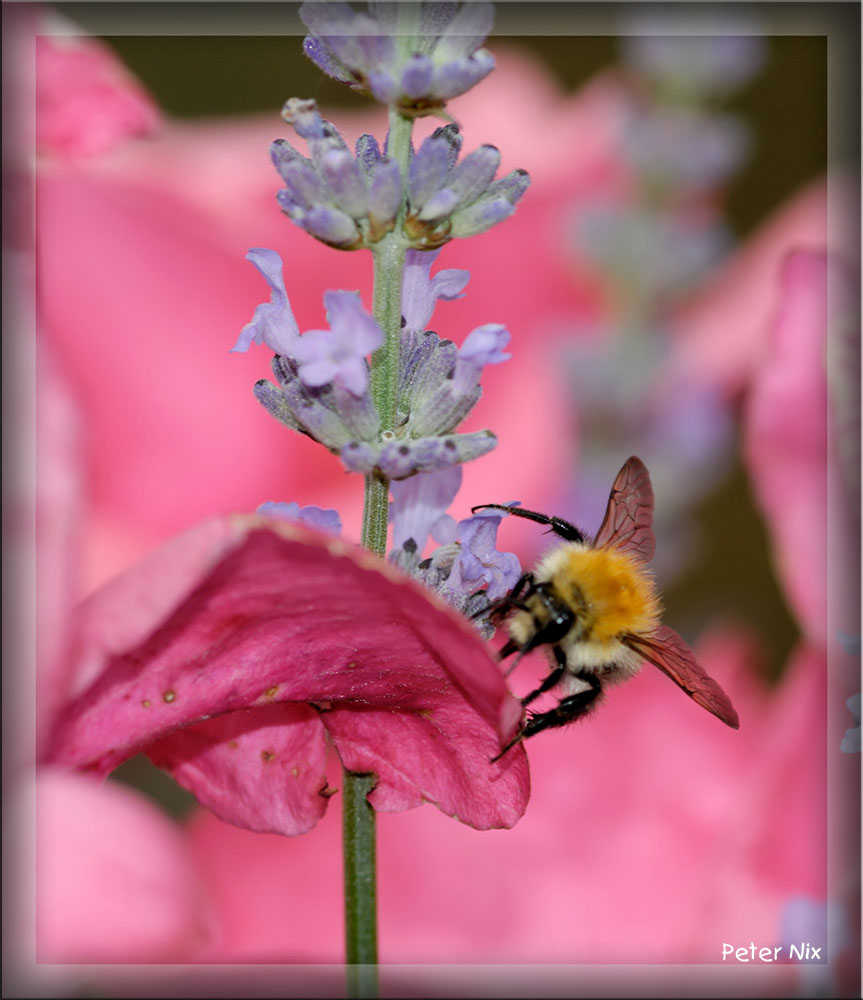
(654, 835)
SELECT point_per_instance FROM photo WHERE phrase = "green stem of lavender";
(358, 817)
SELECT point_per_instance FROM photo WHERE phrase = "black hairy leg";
(568, 710)
(553, 678)
(499, 609)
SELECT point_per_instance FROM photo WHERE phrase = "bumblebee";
(596, 606)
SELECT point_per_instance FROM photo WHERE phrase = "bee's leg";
(552, 679)
(500, 608)
(567, 711)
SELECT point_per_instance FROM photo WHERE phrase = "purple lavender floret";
(400, 458)
(347, 201)
(322, 376)
(339, 354)
(273, 323)
(448, 198)
(418, 510)
(361, 50)
(479, 562)
(470, 573)
(420, 291)
(315, 517)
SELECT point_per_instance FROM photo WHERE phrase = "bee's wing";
(666, 650)
(629, 515)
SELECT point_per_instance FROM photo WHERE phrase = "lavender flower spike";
(273, 323)
(339, 354)
(361, 50)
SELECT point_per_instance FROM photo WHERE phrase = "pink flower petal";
(431, 756)
(115, 881)
(247, 611)
(264, 768)
(786, 436)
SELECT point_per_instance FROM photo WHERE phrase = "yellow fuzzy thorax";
(612, 592)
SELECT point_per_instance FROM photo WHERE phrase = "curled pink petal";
(434, 756)
(262, 768)
(257, 611)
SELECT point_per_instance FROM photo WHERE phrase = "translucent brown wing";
(666, 650)
(629, 515)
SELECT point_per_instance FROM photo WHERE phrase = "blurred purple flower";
(851, 739)
(685, 148)
(313, 517)
(700, 59)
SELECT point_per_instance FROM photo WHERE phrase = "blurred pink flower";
(723, 330)
(115, 879)
(230, 652)
(87, 102)
(786, 436)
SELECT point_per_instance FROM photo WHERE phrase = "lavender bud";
(385, 197)
(471, 177)
(368, 154)
(274, 402)
(428, 170)
(358, 456)
(330, 225)
(417, 76)
(358, 413)
(480, 216)
(341, 172)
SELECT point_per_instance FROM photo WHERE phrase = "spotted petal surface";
(253, 613)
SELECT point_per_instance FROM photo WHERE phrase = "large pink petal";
(434, 756)
(256, 611)
(115, 880)
(264, 767)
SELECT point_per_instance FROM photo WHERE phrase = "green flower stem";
(358, 817)
(361, 927)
